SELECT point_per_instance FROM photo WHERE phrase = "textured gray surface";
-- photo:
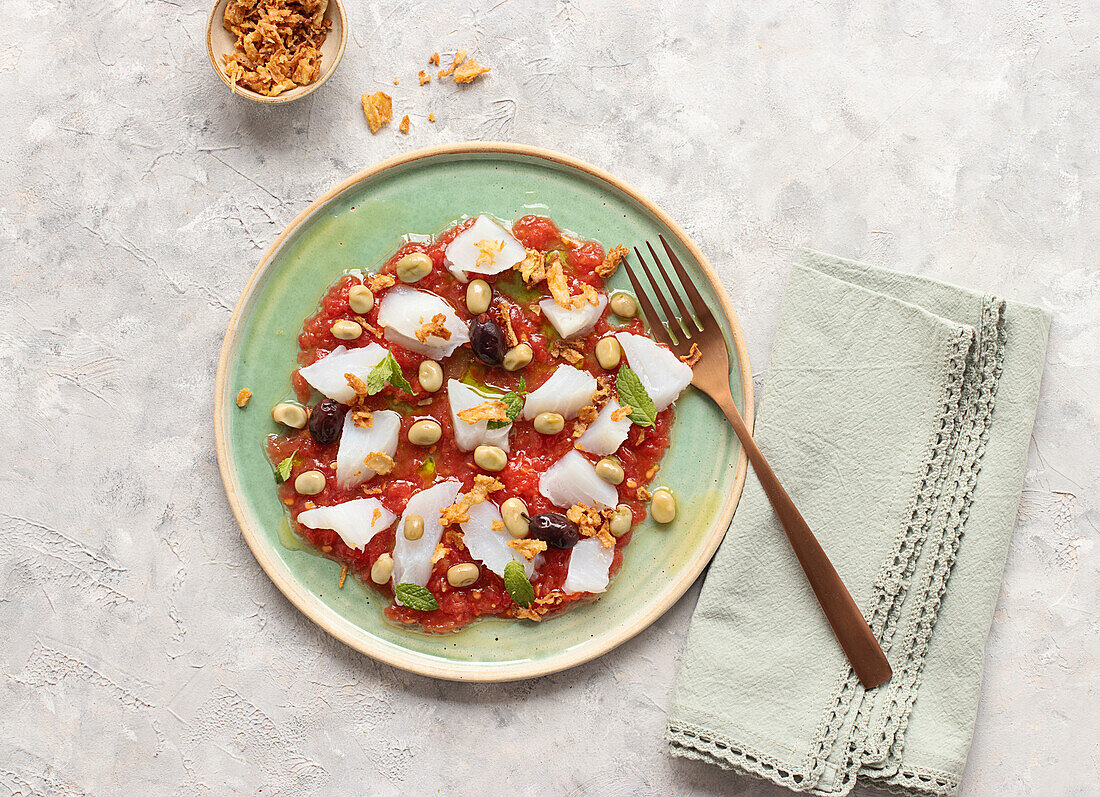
(143, 649)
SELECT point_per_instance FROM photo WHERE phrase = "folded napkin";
(897, 413)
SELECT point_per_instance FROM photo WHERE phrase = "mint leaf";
(632, 392)
(515, 581)
(415, 597)
(514, 400)
(387, 372)
(397, 379)
(282, 470)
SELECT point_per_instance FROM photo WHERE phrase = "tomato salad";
(474, 428)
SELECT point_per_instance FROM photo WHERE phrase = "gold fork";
(699, 331)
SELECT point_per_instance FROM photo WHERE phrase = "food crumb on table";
(469, 70)
(404, 126)
(378, 108)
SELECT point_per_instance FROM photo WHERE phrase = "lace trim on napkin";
(692, 741)
(886, 740)
(938, 784)
(897, 571)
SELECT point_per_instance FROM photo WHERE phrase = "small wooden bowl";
(220, 42)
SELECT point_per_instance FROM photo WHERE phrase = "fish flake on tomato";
(604, 435)
(469, 436)
(403, 312)
(573, 480)
(488, 546)
(566, 391)
(412, 559)
(356, 521)
(571, 323)
(661, 372)
(483, 248)
(358, 443)
(589, 567)
(327, 375)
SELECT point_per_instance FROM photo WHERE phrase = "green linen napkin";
(897, 413)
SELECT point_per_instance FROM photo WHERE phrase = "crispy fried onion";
(459, 511)
(593, 522)
(492, 410)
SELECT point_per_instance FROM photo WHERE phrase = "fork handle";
(851, 629)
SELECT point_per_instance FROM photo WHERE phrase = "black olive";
(487, 340)
(326, 420)
(556, 529)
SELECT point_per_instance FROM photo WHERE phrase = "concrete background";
(142, 649)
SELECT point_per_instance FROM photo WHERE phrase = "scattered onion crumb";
(559, 289)
(593, 522)
(434, 59)
(622, 412)
(358, 385)
(532, 268)
(459, 511)
(404, 126)
(468, 71)
(424, 77)
(437, 327)
(492, 410)
(460, 56)
(693, 356)
(378, 108)
(611, 262)
(505, 319)
(243, 396)
(431, 117)
(528, 546)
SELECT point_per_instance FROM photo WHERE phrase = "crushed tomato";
(531, 452)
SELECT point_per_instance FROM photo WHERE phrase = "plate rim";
(412, 661)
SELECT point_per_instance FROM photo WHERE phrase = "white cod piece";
(662, 373)
(462, 253)
(356, 444)
(604, 436)
(573, 480)
(566, 391)
(589, 566)
(412, 559)
(570, 323)
(469, 436)
(355, 521)
(327, 374)
(404, 311)
(491, 547)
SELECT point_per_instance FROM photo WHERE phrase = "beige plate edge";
(413, 662)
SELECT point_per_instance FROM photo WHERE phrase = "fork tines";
(675, 330)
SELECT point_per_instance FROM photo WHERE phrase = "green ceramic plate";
(358, 224)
